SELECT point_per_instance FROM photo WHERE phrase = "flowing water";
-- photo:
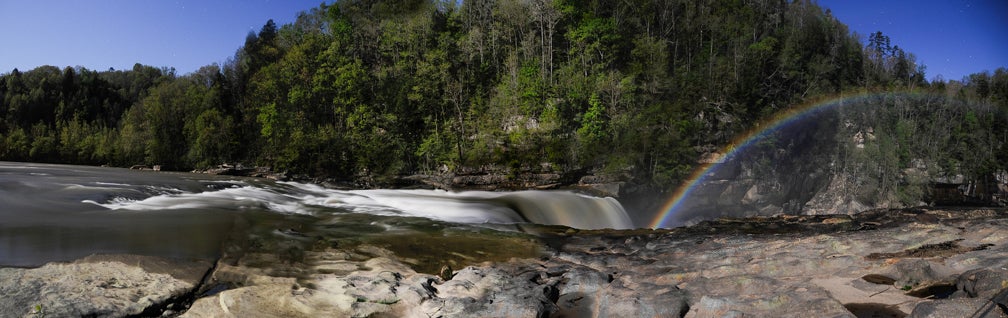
(59, 213)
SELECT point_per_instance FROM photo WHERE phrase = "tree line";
(633, 89)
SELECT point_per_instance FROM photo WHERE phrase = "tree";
(633, 89)
(592, 133)
(213, 142)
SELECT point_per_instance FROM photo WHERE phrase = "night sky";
(953, 38)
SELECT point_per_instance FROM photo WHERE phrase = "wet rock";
(240, 170)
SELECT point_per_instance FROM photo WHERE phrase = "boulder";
(913, 272)
(956, 308)
(982, 282)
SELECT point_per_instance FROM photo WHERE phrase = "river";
(62, 212)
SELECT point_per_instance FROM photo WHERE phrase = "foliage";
(895, 145)
(378, 88)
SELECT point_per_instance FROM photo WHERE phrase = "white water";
(61, 213)
(543, 207)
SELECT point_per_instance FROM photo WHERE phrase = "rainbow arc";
(744, 141)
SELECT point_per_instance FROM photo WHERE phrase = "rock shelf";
(891, 263)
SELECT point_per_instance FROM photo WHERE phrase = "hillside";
(631, 92)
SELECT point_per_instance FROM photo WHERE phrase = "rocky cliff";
(850, 155)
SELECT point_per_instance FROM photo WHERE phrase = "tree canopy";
(635, 89)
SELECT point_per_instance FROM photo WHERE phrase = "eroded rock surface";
(891, 261)
(916, 263)
(99, 286)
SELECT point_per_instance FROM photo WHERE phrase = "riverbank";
(916, 262)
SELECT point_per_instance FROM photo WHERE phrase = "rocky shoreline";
(737, 189)
(880, 263)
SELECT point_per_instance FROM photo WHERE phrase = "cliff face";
(776, 172)
(874, 151)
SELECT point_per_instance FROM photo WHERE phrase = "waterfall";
(474, 207)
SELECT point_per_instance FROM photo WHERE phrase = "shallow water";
(60, 212)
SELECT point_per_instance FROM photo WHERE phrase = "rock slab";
(98, 286)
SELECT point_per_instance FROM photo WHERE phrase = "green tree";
(592, 134)
(213, 142)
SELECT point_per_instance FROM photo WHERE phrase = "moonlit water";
(556, 208)
(59, 213)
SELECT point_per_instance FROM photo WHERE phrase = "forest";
(637, 90)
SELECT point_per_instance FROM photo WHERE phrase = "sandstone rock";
(955, 308)
(589, 293)
(914, 272)
(836, 220)
(762, 297)
(640, 300)
(583, 280)
(786, 266)
(608, 189)
(387, 287)
(752, 196)
(713, 307)
(982, 282)
(835, 200)
(99, 286)
(503, 291)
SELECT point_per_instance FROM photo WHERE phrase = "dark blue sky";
(99, 34)
(953, 38)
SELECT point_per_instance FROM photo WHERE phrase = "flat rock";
(796, 265)
(98, 286)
